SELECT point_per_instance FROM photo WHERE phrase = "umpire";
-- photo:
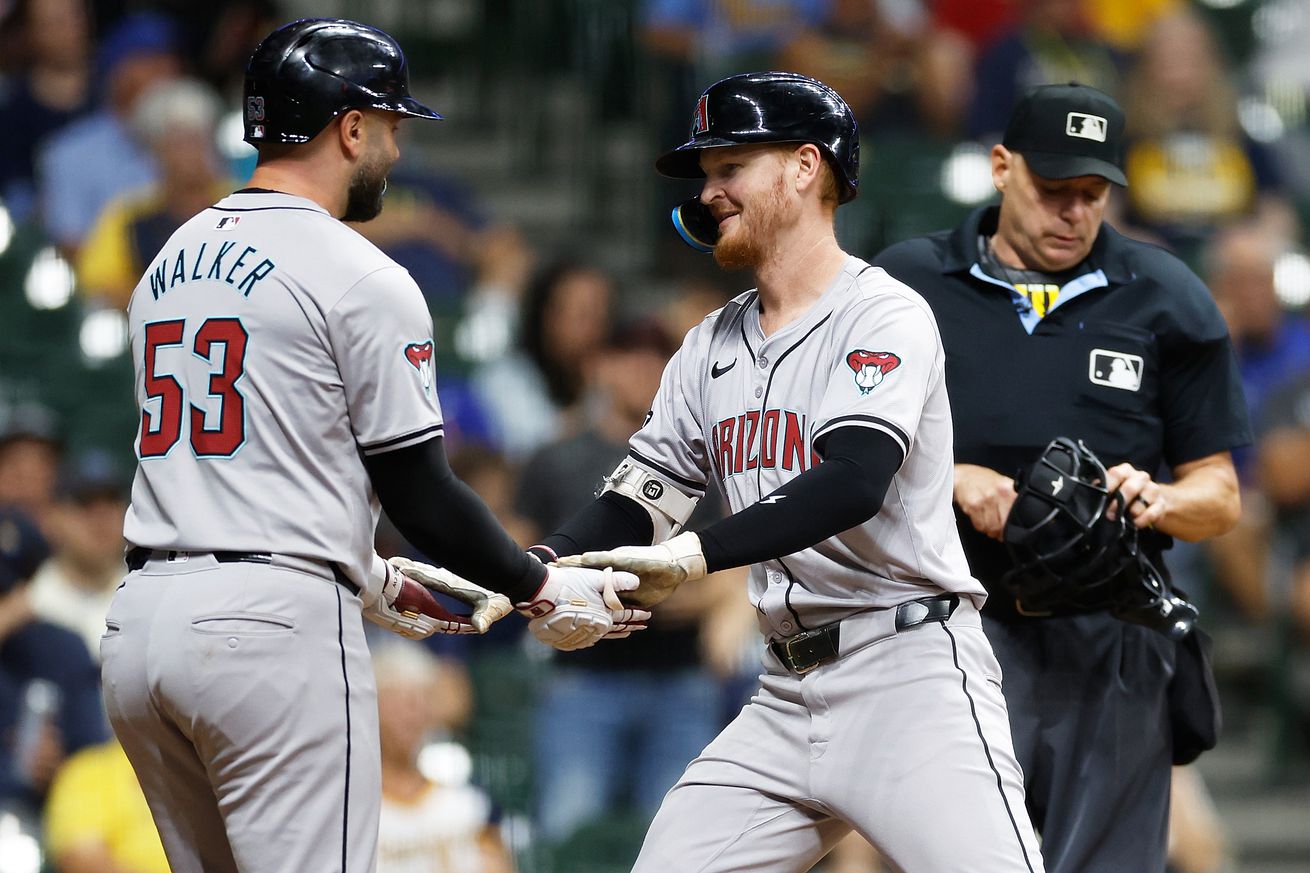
(1056, 325)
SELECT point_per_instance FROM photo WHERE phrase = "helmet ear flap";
(696, 225)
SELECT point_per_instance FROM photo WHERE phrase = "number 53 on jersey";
(214, 415)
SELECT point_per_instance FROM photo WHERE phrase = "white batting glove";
(575, 607)
(405, 607)
(489, 607)
(661, 568)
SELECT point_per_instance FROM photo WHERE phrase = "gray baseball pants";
(244, 697)
(903, 738)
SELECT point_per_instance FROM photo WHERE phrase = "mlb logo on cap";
(1069, 130)
(1085, 126)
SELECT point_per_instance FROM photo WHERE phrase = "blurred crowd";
(496, 756)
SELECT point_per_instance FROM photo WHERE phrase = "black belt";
(805, 651)
(137, 557)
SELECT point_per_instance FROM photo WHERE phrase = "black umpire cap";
(1070, 130)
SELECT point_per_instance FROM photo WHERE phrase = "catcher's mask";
(1072, 555)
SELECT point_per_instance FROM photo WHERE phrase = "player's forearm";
(1203, 501)
(608, 522)
(448, 522)
(846, 490)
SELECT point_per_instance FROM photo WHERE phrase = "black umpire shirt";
(1132, 357)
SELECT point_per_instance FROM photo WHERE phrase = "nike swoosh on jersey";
(716, 371)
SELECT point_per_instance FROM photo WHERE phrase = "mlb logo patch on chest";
(1115, 369)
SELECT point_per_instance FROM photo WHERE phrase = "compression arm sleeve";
(447, 521)
(609, 521)
(846, 490)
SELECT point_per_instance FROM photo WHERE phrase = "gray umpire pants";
(1088, 707)
(903, 738)
(244, 697)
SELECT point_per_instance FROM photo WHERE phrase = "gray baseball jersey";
(273, 346)
(746, 410)
(906, 728)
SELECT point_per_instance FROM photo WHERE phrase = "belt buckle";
(818, 660)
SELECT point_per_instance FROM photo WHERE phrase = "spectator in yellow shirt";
(96, 818)
(176, 119)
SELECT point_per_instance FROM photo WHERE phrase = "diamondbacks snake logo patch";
(871, 368)
(420, 356)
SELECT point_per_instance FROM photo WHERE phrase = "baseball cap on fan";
(1070, 130)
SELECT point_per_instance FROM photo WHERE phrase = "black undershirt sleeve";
(446, 520)
(608, 522)
(844, 491)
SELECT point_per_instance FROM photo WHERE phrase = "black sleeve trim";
(844, 491)
(698, 487)
(448, 522)
(608, 522)
(431, 430)
(896, 430)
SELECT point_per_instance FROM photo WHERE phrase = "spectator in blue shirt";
(49, 686)
(94, 159)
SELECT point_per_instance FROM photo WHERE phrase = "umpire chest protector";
(1132, 357)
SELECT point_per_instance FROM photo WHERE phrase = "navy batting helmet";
(771, 107)
(306, 73)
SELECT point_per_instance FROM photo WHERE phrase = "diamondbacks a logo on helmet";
(700, 119)
(420, 356)
(871, 368)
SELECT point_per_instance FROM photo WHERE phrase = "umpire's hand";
(1144, 497)
(985, 496)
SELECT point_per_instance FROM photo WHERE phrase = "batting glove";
(488, 606)
(405, 607)
(574, 608)
(661, 568)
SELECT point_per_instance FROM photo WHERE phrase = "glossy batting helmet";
(770, 107)
(308, 72)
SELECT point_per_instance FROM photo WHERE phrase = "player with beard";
(816, 402)
(284, 376)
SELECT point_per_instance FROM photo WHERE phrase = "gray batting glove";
(576, 607)
(403, 606)
(488, 606)
(661, 568)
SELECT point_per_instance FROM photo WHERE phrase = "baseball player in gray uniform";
(285, 383)
(817, 403)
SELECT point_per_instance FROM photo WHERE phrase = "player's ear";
(808, 161)
(351, 133)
